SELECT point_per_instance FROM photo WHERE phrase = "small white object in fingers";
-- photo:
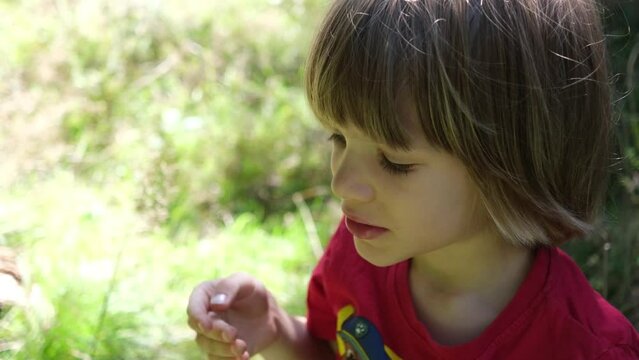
(219, 299)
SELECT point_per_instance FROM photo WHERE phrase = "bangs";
(517, 90)
(373, 62)
(359, 73)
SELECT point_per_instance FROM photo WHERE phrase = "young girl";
(470, 138)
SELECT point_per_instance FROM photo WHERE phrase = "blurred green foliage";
(198, 105)
(152, 145)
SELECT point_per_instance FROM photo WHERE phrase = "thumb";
(229, 292)
(209, 296)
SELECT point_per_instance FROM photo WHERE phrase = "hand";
(234, 317)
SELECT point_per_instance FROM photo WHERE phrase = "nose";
(350, 180)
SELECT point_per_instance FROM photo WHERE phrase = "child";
(470, 138)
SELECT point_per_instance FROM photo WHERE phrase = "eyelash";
(387, 165)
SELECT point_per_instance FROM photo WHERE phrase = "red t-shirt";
(555, 313)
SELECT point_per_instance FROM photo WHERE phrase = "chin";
(376, 257)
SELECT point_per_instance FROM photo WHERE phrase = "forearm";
(295, 342)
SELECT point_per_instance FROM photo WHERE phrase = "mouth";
(364, 231)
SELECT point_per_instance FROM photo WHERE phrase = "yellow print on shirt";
(359, 339)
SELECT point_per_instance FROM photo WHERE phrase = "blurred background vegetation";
(149, 145)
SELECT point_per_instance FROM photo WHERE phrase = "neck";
(472, 266)
(459, 290)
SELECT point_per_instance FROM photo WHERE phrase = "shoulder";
(578, 310)
(619, 352)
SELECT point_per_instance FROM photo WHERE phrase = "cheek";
(467, 214)
(446, 206)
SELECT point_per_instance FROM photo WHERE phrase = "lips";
(364, 231)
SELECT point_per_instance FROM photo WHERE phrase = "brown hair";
(517, 90)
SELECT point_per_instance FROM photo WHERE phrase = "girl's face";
(402, 204)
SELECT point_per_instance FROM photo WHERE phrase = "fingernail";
(219, 299)
(226, 336)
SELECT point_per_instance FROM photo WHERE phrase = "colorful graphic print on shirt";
(359, 339)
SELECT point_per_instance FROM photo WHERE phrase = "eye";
(394, 168)
(337, 139)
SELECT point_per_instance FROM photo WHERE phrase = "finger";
(214, 348)
(230, 289)
(199, 304)
(216, 295)
(219, 296)
(214, 357)
(195, 325)
(221, 331)
(240, 348)
(237, 291)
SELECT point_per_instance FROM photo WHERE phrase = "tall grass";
(103, 287)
